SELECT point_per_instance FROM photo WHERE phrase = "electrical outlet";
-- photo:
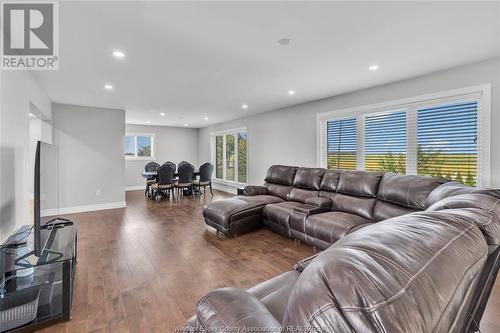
(98, 193)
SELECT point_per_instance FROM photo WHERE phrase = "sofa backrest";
(476, 203)
(329, 183)
(453, 188)
(357, 192)
(279, 180)
(306, 184)
(403, 194)
(384, 275)
(372, 195)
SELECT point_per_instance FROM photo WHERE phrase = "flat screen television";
(46, 190)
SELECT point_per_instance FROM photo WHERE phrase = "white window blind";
(447, 141)
(385, 142)
(445, 134)
(341, 144)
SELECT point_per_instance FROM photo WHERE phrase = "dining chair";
(150, 167)
(165, 181)
(172, 164)
(205, 179)
(185, 180)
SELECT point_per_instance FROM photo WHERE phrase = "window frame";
(141, 158)
(480, 93)
(234, 132)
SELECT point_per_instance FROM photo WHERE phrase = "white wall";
(18, 93)
(90, 143)
(174, 144)
(288, 135)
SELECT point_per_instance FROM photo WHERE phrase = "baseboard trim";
(135, 188)
(91, 208)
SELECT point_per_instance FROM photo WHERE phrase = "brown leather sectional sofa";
(319, 206)
(387, 270)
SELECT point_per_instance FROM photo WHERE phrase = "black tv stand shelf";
(41, 286)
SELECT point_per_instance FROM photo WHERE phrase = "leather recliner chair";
(428, 271)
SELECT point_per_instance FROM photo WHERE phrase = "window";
(139, 146)
(219, 157)
(341, 144)
(447, 142)
(385, 142)
(441, 135)
(242, 157)
(230, 155)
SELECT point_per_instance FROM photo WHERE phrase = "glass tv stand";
(36, 292)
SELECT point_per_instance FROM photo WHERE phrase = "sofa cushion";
(281, 174)
(301, 194)
(359, 183)
(278, 190)
(330, 180)
(332, 226)
(361, 206)
(308, 178)
(274, 293)
(407, 190)
(385, 210)
(279, 214)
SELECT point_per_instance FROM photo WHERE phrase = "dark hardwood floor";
(143, 268)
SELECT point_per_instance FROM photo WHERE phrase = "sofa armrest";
(319, 202)
(309, 209)
(255, 190)
(234, 310)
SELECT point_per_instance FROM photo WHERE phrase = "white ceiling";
(205, 59)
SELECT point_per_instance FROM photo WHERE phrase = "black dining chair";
(172, 164)
(150, 167)
(165, 181)
(205, 179)
(185, 162)
(185, 180)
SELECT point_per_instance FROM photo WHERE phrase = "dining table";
(154, 174)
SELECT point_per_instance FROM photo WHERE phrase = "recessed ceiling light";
(244, 106)
(373, 67)
(148, 122)
(108, 86)
(186, 125)
(291, 92)
(31, 115)
(119, 54)
(162, 114)
(206, 118)
(284, 41)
